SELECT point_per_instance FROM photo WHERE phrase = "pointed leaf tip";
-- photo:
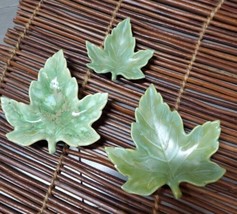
(58, 55)
(217, 123)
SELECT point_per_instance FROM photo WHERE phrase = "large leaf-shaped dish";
(164, 153)
(54, 112)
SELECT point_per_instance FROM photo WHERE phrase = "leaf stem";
(176, 190)
(113, 76)
(51, 146)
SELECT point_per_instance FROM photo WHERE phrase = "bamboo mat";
(194, 68)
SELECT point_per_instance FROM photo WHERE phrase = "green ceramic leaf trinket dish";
(55, 113)
(118, 56)
(164, 153)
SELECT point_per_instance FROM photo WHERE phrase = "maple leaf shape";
(164, 153)
(118, 55)
(54, 112)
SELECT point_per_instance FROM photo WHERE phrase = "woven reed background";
(194, 68)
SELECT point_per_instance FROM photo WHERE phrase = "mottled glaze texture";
(54, 113)
(164, 153)
(118, 56)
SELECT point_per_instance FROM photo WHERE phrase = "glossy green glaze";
(54, 112)
(118, 56)
(164, 153)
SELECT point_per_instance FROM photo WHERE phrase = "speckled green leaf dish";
(118, 56)
(54, 112)
(164, 153)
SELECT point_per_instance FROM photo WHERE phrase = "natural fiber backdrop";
(194, 68)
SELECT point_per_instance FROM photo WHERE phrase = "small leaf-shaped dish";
(164, 153)
(54, 113)
(118, 56)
